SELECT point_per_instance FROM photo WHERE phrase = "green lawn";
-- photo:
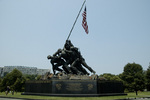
(130, 95)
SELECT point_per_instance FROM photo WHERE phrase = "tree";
(19, 84)
(13, 79)
(38, 77)
(30, 77)
(133, 77)
(0, 83)
(148, 79)
(110, 77)
(0, 80)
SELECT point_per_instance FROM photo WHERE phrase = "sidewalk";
(13, 98)
(10, 99)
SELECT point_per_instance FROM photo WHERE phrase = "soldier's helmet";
(49, 57)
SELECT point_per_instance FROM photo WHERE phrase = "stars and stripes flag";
(84, 22)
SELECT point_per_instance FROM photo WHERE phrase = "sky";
(119, 32)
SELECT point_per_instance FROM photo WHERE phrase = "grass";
(130, 95)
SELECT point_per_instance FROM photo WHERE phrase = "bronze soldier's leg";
(75, 66)
(67, 69)
(83, 70)
(88, 67)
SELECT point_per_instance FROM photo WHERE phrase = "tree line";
(134, 78)
(16, 81)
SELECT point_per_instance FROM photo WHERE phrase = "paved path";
(9, 99)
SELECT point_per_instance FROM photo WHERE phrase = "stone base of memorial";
(74, 87)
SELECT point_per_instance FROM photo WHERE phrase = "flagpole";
(76, 20)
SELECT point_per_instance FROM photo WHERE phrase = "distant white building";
(23, 69)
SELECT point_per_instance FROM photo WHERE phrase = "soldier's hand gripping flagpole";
(76, 20)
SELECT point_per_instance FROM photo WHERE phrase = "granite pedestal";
(80, 88)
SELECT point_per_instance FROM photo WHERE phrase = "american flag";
(84, 22)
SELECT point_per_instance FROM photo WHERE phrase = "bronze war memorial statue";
(70, 60)
(72, 77)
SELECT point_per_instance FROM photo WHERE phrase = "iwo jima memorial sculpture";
(70, 76)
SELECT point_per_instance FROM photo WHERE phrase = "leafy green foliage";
(13, 79)
(32, 77)
(0, 84)
(38, 77)
(110, 77)
(133, 77)
(148, 78)
(0, 80)
(16, 80)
